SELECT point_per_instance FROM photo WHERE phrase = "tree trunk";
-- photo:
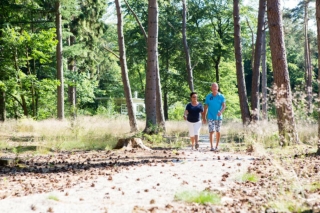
(308, 71)
(151, 74)
(2, 96)
(24, 106)
(124, 70)
(2, 105)
(33, 93)
(60, 96)
(216, 66)
(256, 64)
(245, 112)
(318, 39)
(165, 105)
(72, 87)
(252, 43)
(264, 77)
(160, 114)
(285, 115)
(186, 48)
(23, 100)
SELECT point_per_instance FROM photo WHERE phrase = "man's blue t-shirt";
(214, 104)
(194, 112)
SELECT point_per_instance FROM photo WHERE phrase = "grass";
(314, 187)
(250, 177)
(286, 205)
(53, 197)
(202, 197)
(100, 133)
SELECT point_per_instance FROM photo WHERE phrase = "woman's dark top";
(194, 112)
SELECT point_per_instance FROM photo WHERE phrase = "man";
(215, 104)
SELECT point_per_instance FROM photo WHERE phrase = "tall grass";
(94, 132)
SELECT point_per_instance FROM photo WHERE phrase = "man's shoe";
(212, 149)
(197, 146)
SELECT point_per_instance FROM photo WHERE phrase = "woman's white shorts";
(194, 128)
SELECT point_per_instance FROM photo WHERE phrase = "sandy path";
(146, 186)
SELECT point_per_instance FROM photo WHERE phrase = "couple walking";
(215, 105)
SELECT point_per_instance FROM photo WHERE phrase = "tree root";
(131, 143)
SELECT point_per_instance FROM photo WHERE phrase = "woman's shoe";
(197, 145)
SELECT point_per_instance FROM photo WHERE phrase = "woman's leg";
(191, 133)
(197, 127)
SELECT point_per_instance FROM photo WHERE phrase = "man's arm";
(223, 107)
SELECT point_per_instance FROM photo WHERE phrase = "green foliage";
(202, 197)
(228, 87)
(176, 111)
(28, 63)
(154, 138)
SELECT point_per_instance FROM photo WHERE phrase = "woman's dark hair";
(192, 93)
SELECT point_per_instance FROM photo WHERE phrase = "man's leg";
(218, 125)
(217, 139)
(211, 125)
(211, 138)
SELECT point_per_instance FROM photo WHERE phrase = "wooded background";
(62, 58)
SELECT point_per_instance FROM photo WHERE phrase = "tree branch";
(137, 19)
(113, 53)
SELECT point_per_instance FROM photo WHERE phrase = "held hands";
(204, 121)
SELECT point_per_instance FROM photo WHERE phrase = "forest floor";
(151, 181)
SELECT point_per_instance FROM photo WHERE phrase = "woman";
(193, 115)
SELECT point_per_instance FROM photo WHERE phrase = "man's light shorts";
(194, 128)
(214, 125)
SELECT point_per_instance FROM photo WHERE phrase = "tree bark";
(124, 70)
(245, 112)
(318, 39)
(33, 93)
(284, 108)
(151, 74)
(60, 95)
(308, 69)
(264, 85)
(252, 43)
(186, 47)
(160, 114)
(2, 105)
(256, 64)
(72, 87)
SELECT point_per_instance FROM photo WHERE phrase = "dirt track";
(138, 181)
(152, 182)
